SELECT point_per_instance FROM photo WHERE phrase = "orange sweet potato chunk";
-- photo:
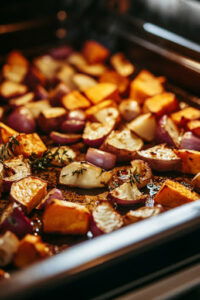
(75, 100)
(6, 132)
(194, 126)
(145, 85)
(190, 160)
(29, 144)
(65, 217)
(161, 104)
(185, 115)
(95, 108)
(17, 58)
(31, 249)
(94, 52)
(102, 91)
(113, 77)
(173, 194)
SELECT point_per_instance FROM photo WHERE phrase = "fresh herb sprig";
(134, 177)
(7, 149)
(79, 171)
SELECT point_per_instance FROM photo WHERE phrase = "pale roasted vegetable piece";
(143, 171)
(65, 75)
(95, 133)
(47, 65)
(161, 104)
(105, 219)
(90, 112)
(160, 158)
(75, 100)
(9, 89)
(129, 109)
(64, 217)
(194, 126)
(121, 64)
(83, 81)
(127, 194)
(196, 181)
(51, 118)
(108, 115)
(28, 191)
(185, 115)
(63, 155)
(84, 175)
(6, 132)
(30, 250)
(141, 213)
(173, 194)
(9, 244)
(190, 160)
(145, 85)
(37, 107)
(94, 52)
(123, 144)
(14, 73)
(102, 91)
(22, 100)
(144, 126)
(29, 144)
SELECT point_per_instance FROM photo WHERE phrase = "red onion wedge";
(129, 109)
(53, 194)
(61, 52)
(127, 194)
(160, 158)
(51, 119)
(105, 219)
(9, 244)
(14, 220)
(40, 93)
(190, 141)
(95, 133)
(167, 132)
(57, 93)
(17, 168)
(64, 138)
(22, 120)
(72, 126)
(100, 158)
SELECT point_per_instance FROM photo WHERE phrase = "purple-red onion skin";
(72, 126)
(190, 141)
(22, 120)
(96, 231)
(64, 139)
(167, 132)
(61, 52)
(101, 158)
(53, 194)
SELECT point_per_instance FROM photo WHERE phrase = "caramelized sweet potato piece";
(102, 91)
(30, 250)
(6, 132)
(173, 194)
(29, 144)
(17, 58)
(185, 115)
(190, 160)
(90, 112)
(120, 63)
(65, 217)
(75, 100)
(145, 85)
(161, 104)
(94, 52)
(194, 126)
(113, 77)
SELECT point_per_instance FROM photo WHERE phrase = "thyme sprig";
(79, 171)
(134, 177)
(7, 149)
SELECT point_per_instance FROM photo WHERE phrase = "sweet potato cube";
(161, 104)
(30, 250)
(190, 160)
(28, 191)
(173, 194)
(94, 52)
(102, 91)
(29, 144)
(120, 63)
(17, 58)
(185, 115)
(6, 132)
(65, 217)
(113, 77)
(194, 126)
(145, 85)
(75, 100)
(94, 109)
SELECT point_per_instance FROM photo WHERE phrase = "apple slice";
(105, 219)
(144, 126)
(28, 192)
(51, 118)
(16, 168)
(84, 175)
(127, 194)
(123, 144)
(160, 158)
(95, 133)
